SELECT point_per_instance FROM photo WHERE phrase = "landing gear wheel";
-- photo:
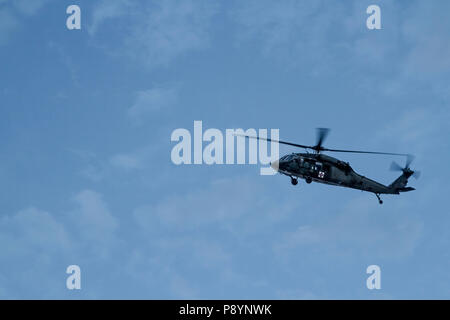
(308, 180)
(379, 199)
(294, 181)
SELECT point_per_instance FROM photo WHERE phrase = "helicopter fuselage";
(328, 170)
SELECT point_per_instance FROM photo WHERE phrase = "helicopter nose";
(275, 165)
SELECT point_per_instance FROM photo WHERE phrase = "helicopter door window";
(307, 165)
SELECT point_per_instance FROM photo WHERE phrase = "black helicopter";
(322, 168)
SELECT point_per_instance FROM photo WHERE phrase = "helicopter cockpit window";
(344, 166)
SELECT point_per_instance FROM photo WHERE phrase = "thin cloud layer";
(151, 102)
(161, 31)
(37, 245)
(357, 229)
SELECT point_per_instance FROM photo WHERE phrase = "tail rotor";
(406, 169)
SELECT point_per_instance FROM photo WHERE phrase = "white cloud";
(32, 243)
(32, 231)
(361, 228)
(126, 161)
(233, 202)
(36, 246)
(426, 31)
(160, 31)
(416, 128)
(179, 228)
(108, 9)
(29, 7)
(11, 17)
(94, 168)
(150, 102)
(97, 168)
(93, 221)
(171, 29)
(325, 38)
(293, 32)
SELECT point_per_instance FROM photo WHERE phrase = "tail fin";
(400, 183)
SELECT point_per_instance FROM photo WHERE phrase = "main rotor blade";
(321, 149)
(278, 141)
(369, 152)
(322, 134)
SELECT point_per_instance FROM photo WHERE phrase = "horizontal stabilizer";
(406, 189)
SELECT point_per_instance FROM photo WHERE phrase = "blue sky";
(85, 170)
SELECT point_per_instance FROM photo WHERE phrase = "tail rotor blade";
(409, 159)
(416, 174)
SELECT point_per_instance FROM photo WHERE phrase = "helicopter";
(322, 168)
